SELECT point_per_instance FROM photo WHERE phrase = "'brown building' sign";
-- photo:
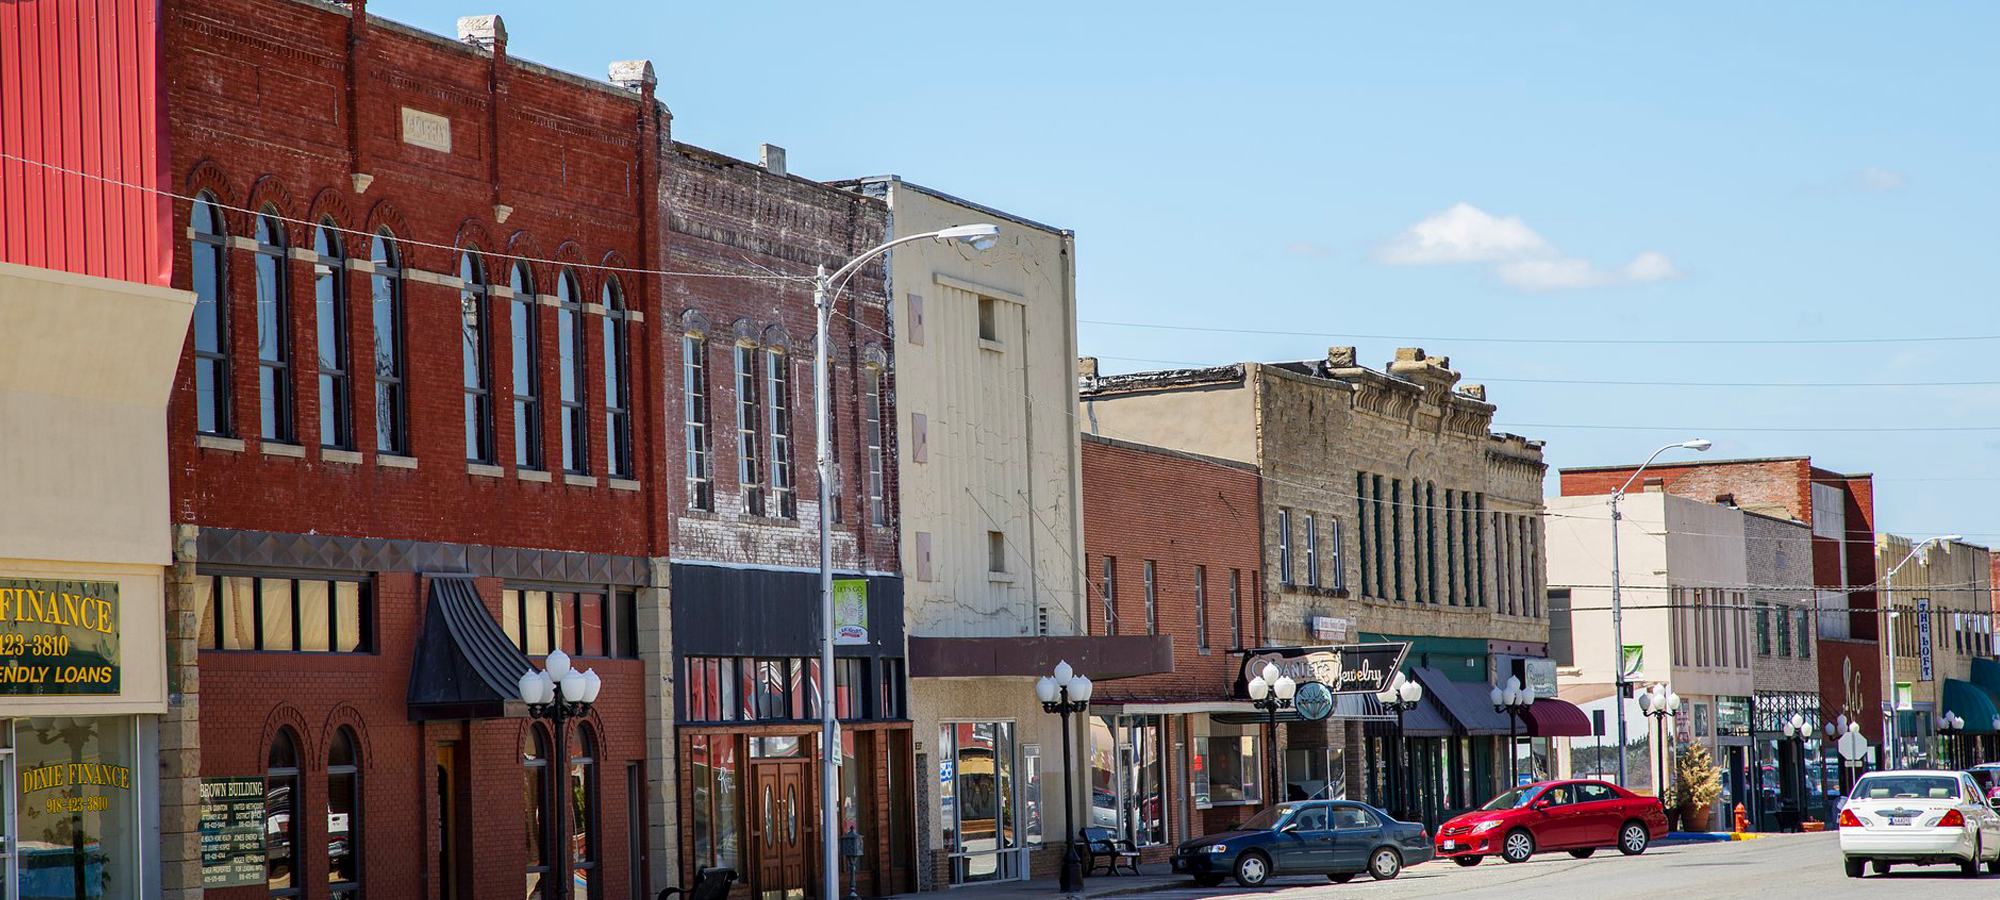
(58, 637)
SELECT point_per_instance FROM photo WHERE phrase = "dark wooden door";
(778, 815)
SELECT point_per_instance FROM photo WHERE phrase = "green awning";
(1968, 702)
(1986, 676)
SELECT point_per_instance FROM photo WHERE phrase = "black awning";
(465, 667)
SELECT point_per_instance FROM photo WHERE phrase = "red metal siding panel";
(79, 145)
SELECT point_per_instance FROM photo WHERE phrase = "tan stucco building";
(1949, 665)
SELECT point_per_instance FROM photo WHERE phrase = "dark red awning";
(1549, 717)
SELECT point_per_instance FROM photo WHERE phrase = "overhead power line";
(1466, 339)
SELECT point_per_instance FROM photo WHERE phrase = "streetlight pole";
(1950, 726)
(1401, 696)
(1699, 445)
(1063, 693)
(1659, 702)
(578, 691)
(1270, 692)
(1892, 732)
(1515, 700)
(825, 288)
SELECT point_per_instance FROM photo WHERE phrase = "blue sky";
(1571, 170)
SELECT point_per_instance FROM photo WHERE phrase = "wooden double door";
(782, 828)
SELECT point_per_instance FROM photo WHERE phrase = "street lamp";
(1949, 726)
(1514, 700)
(1659, 702)
(825, 288)
(1401, 696)
(1893, 732)
(1062, 693)
(1699, 445)
(578, 690)
(1270, 692)
(1796, 730)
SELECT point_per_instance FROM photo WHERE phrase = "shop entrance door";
(10, 874)
(778, 829)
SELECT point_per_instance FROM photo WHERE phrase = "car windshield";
(1906, 787)
(1514, 799)
(1269, 818)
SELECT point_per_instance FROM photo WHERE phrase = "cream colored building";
(1948, 586)
(85, 545)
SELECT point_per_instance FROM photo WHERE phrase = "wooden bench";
(709, 884)
(1102, 843)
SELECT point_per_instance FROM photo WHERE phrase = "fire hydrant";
(1742, 819)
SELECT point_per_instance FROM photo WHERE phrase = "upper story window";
(1110, 596)
(1312, 550)
(308, 615)
(571, 349)
(208, 253)
(1284, 546)
(617, 387)
(778, 381)
(749, 469)
(477, 358)
(989, 319)
(1152, 599)
(696, 422)
(587, 622)
(385, 286)
(871, 416)
(274, 330)
(336, 381)
(1235, 607)
(1201, 607)
(525, 323)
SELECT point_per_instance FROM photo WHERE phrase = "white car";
(1918, 818)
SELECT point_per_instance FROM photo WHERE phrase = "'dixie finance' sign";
(58, 637)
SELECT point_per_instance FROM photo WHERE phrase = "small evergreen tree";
(1697, 783)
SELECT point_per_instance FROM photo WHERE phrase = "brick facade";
(1777, 556)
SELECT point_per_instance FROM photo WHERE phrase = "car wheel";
(1969, 866)
(1467, 861)
(1252, 870)
(1340, 877)
(1854, 867)
(1583, 852)
(1632, 838)
(1993, 865)
(1517, 846)
(1385, 864)
(1208, 880)
(1878, 866)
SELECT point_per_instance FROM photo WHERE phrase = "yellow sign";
(58, 637)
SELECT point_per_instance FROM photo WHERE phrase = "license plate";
(1899, 820)
(1450, 844)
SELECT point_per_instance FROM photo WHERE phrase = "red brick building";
(1178, 536)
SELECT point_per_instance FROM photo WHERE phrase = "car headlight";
(1486, 826)
(1218, 848)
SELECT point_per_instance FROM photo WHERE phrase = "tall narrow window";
(1284, 546)
(343, 816)
(386, 312)
(572, 350)
(478, 362)
(778, 403)
(1361, 510)
(1236, 608)
(1396, 528)
(1378, 517)
(1451, 550)
(694, 389)
(583, 813)
(1110, 595)
(208, 254)
(1479, 520)
(336, 390)
(1152, 600)
(1201, 607)
(535, 771)
(1312, 550)
(274, 331)
(749, 468)
(281, 827)
(1335, 555)
(617, 383)
(526, 322)
(871, 412)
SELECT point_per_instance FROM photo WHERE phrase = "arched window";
(778, 423)
(274, 330)
(570, 344)
(343, 816)
(336, 392)
(386, 289)
(749, 461)
(583, 812)
(281, 822)
(535, 766)
(871, 428)
(527, 336)
(478, 363)
(617, 391)
(695, 417)
(209, 279)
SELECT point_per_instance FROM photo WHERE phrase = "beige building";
(1943, 654)
(1390, 512)
(85, 543)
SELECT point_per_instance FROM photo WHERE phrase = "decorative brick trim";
(345, 457)
(218, 442)
(292, 450)
(394, 461)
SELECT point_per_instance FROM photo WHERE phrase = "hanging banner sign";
(1342, 669)
(850, 611)
(1924, 638)
(232, 832)
(58, 637)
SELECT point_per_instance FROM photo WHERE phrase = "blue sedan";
(1336, 838)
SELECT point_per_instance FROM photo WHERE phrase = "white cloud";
(1308, 248)
(1876, 179)
(1516, 254)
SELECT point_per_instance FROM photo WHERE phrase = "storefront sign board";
(232, 832)
(58, 637)
(1343, 668)
(850, 611)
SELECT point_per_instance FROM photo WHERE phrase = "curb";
(1677, 838)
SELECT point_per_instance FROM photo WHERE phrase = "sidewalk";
(1154, 877)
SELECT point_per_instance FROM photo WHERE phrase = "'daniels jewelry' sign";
(1344, 669)
(58, 637)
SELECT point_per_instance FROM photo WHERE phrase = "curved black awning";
(465, 667)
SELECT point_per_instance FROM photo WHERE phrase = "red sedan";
(1578, 816)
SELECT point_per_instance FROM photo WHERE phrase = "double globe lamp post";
(1401, 696)
(1513, 700)
(1659, 702)
(1064, 692)
(558, 695)
(1949, 726)
(1270, 692)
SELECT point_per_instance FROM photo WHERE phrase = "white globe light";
(1064, 672)
(1385, 698)
(1513, 684)
(1269, 673)
(1412, 692)
(573, 686)
(1080, 689)
(592, 684)
(557, 665)
(1045, 689)
(1673, 701)
(1258, 688)
(545, 688)
(1497, 695)
(1285, 687)
(530, 686)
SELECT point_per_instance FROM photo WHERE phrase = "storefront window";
(1128, 777)
(712, 765)
(1226, 761)
(583, 814)
(1315, 773)
(281, 796)
(78, 833)
(301, 615)
(343, 817)
(978, 791)
(857, 799)
(1031, 792)
(535, 766)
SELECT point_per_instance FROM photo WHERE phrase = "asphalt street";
(1770, 868)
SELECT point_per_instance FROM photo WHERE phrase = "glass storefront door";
(73, 820)
(9, 872)
(1128, 777)
(980, 801)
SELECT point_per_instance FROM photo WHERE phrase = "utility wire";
(1550, 340)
